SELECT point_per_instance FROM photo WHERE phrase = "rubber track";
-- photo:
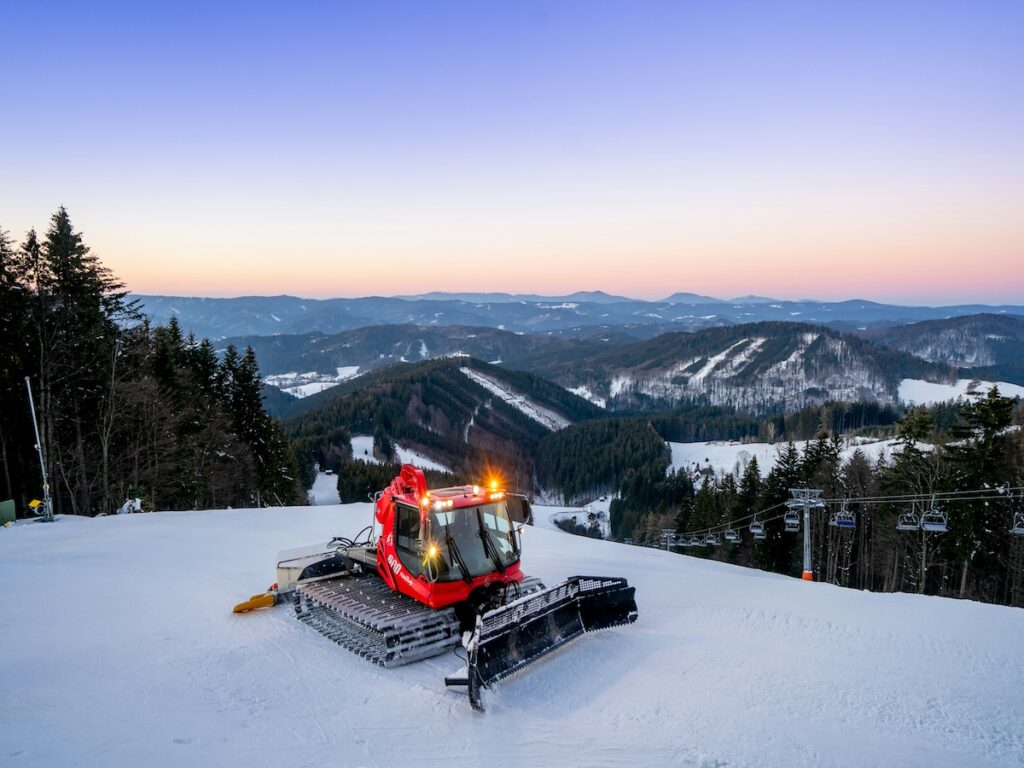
(363, 615)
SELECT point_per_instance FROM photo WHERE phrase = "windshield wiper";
(454, 555)
(490, 547)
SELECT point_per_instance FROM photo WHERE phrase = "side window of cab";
(407, 537)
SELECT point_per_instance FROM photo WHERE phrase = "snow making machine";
(439, 569)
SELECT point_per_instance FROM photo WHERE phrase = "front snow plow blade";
(514, 636)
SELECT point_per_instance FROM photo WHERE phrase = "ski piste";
(443, 570)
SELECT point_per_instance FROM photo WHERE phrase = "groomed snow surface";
(118, 648)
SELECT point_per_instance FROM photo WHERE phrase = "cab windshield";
(472, 541)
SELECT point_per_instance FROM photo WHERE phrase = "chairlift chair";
(757, 529)
(712, 539)
(732, 535)
(844, 518)
(934, 520)
(696, 541)
(1018, 524)
(909, 521)
(792, 521)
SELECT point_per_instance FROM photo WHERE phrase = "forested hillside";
(126, 410)
(991, 346)
(979, 451)
(382, 345)
(759, 367)
(435, 408)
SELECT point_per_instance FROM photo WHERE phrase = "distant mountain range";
(580, 314)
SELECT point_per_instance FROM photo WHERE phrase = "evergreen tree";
(78, 308)
(981, 458)
(14, 356)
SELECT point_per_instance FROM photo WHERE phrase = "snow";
(305, 390)
(586, 393)
(713, 362)
(311, 382)
(346, 372)
(917, 392)
(546, 516)
(543, 416)
(119, 649)
(362, 450)
(731, 457)
(324, 490)
(618, 385)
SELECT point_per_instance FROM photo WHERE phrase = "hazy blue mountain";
(576, 314)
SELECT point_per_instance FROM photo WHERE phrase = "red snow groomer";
(444, 570)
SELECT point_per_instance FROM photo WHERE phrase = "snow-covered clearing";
(726, 456)
(119, 649)
(312, 382)
(917, 392)
(362, 450)
(540, 414)
(313, 388)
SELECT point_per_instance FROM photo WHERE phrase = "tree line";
(126, 410)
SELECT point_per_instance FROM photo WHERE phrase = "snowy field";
(917, 392)
(118, 648)
(312, 382)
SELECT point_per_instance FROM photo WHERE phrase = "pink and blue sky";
(827, 150)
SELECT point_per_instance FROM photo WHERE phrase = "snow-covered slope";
(324, 490)
(362, 450)
(119, 649)
(540, 414)
(546, 517)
